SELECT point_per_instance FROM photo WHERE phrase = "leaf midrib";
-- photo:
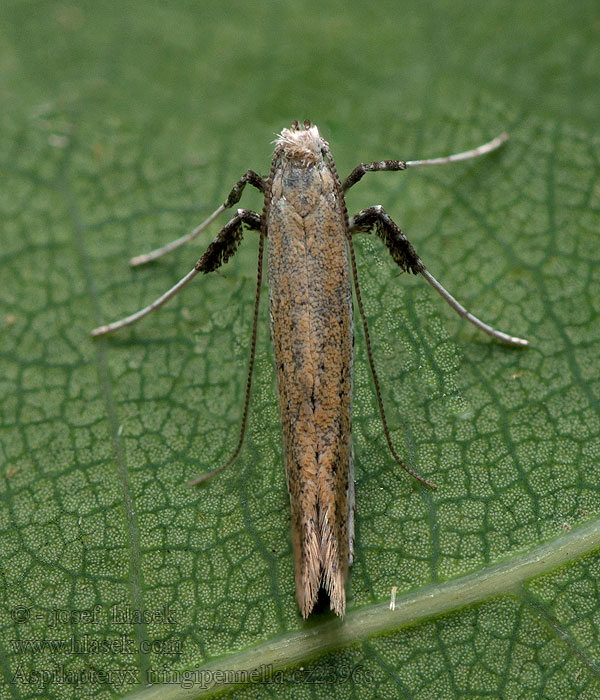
(506, 577)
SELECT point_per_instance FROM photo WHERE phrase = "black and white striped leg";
(217, 254)
(395, 165)
(233, 197)
(405, 256)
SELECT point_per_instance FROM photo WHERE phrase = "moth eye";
(307, 124)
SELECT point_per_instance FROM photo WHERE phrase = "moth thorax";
(301, 145)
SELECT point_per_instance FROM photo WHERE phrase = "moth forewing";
(310, 297)
(311, 267)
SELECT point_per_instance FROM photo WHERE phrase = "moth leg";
(234, 197)
(386, 430)
(217, 254)
(406, 258)
(351, 508)
(394, 165)
(259, 271)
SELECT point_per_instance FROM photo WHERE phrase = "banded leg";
(217, 254)
(406, 258)
(395, 165)
(234, 197)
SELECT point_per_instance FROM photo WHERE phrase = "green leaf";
(123, 126)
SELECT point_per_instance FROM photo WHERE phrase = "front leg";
(395, 165)
(217, 254)
(250, 177)
(405, 256)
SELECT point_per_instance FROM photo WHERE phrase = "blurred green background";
(206, 71)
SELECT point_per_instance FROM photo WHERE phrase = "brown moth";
(311, 329)
(311, 268)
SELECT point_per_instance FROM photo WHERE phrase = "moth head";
(301, 143)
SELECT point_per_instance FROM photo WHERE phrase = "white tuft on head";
(304, 145)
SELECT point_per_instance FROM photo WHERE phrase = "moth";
(311, 271)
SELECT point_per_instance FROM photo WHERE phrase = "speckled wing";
(312, 335)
